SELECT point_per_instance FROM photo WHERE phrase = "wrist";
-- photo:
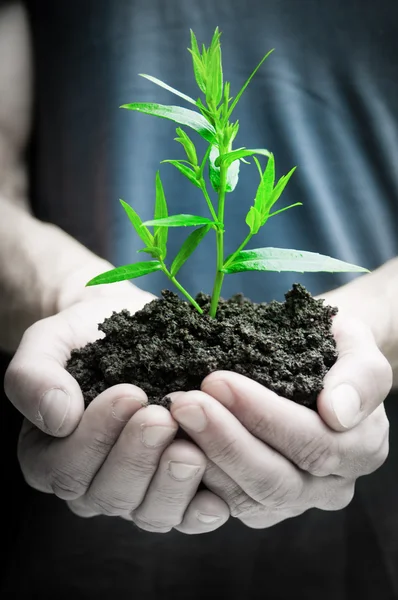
(372, 299)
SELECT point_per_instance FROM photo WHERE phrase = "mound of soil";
(168, 346)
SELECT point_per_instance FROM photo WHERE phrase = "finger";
(37, 383)
(358, 382)
(300, 434)
(120, 485)
(240, 504)
(172, 488)
(262, 473)
(206, 512)
(66, 466)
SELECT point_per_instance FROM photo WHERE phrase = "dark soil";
(167, 346)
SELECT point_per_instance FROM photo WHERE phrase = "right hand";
(118, 457)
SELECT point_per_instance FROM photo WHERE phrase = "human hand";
(271, 459)
(117, 458)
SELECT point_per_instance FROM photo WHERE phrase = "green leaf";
(180, 221)
(226, 99)
(205, 112)
(253, 220)
(126, 272)
(136, 222)
(180, 115)
(280, 186)
(265, 188)
(190, 244)
(214, 74)
(188, 146)
(240, 153)
(286, 208)
(258, 166)
(282, 259)
(214, 172)
(186, 171)
(160, 233)
(168, 87)
(153, 251)
(198, 68)
(235, 102)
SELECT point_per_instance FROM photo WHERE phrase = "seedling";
(212, 121)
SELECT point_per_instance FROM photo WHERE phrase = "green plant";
(212, 121)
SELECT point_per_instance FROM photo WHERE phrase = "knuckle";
(224, 452)
(375, 449)
(341, 497)
(141, 465)
(241, 505)
(11, 378)
(319, 456)
(68, 486)
(377, 458)
(150, 525)
(258, 425)
(383, 373)
(278, 494)
(110, 507)
(100, 444)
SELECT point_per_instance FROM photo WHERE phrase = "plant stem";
(208, 200)
(243, 244)
(181, 288)
(215, 298)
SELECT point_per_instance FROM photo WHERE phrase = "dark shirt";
(326, 101)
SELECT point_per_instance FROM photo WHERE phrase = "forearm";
(373, 299)
(42, 270)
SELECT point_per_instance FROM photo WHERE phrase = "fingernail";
(191, 417)
(219, 389)
(53, 409)
(155, 435)
(346, 405)
(182, 471)
(207, 519)
(123, 408)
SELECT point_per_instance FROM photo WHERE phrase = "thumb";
(358, 382)
(37, 383)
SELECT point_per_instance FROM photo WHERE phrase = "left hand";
(270, 458)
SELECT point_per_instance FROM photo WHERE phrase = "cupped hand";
(271, 459)
(119, 457)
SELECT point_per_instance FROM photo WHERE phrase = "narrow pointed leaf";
(283, 209)
(126, 272)
(186, 171)
(214, 74)
(188, 146)
(240, 153)
(190, 244)
(205, 112)
(153, 251)
(183, 116)
(136, 222)
(265, 188)
(235, 102)
(214, 172)
(197, 63)
(160, 233)
(180, 221)
(164, 85)
(280, 186)
(282, 259)
(259, 169)
(253, 220)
